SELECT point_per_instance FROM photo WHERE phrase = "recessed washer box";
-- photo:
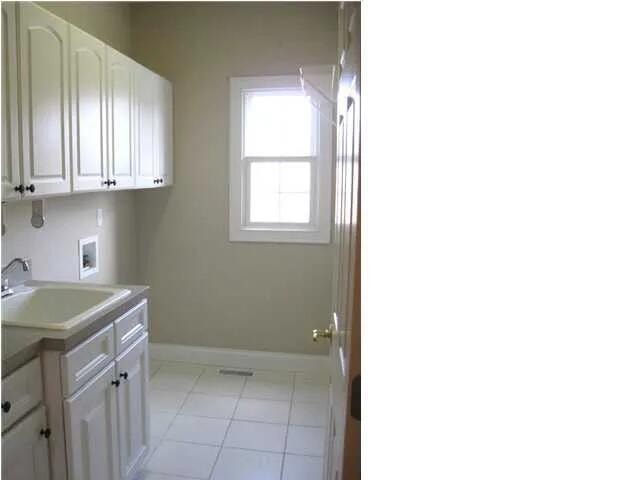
(88, 256)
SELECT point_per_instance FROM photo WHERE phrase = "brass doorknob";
(326, 333)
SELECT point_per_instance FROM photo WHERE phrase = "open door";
(343, 438)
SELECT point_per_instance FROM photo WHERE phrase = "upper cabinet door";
(121, 111)
(88, 112)
(165, 127)
(146, 174)
(10, 147)
(44, 65)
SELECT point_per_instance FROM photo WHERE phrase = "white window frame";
(240, 229)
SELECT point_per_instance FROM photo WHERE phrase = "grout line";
(286, 437)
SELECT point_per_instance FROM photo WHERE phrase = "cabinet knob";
(31, 188)
(161, 180)
(19, 188)
(124, 375)
(45, 432)
(106, 182)
(116, 383)
(111, 182)
(6, 406)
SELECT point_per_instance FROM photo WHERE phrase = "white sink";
(56, 306)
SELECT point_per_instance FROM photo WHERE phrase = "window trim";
(319, 231)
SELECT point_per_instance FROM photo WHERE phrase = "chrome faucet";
(26, 267)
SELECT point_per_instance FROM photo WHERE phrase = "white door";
(91, 425)
(44, 65)
(132, 368)
(121, 110)
(25, 450)
(10, 149)
(88, 112)
(164, 122)
(146, 98)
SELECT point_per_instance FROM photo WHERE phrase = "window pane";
(278, 124)
(295, 177)
(294, 207)
(264, 192)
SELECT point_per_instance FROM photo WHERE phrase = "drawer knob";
(124, 375)
(45, 432)
(116, 383)
(30, 188)
(6, 406)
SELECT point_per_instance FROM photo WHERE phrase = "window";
(280, 165)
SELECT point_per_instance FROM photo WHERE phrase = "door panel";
(88, 112)
(343, 452)
(146, 97)
(10, 147)
(133, 412)
(25, 452)
(121, 111)
(91, 430)
(44, 43)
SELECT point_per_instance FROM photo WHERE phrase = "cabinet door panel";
(146, 89)
(88, 112)
(44, 43)
(165, 127)
(91, 430)
(133, 413)
(10, 148)
(121, 110)
(25, 454)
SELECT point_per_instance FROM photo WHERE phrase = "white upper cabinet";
(164, 122)
(88, 112)
(10, 147)
(44, 81)
(121, 111)
(146, 95)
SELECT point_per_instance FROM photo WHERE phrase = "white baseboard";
(258, 360)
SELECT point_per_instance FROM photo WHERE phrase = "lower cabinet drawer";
(86, 360)
(130, 326)
(21, 392)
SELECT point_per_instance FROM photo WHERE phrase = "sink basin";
(56, 307)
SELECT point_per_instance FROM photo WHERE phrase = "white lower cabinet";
(133, 415)
(25, 453)
(106, 421)
(91, 429)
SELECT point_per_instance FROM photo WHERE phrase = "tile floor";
(204, 425)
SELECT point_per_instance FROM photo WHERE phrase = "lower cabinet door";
(25, 450)
(133, 411)
(91, 426)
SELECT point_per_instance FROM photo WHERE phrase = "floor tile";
(248, 465)
(310, 414)
(272, 376)
(198, 404)
(256, 436)
(272, 411)
(213, 383)
(309, 392)
(305, 440)
(147, 475)
(268, 390)
(312, 377)
(297, 467)
(154, 366)
(187, 459)
(166, 400)
(160, 422)
(176, 377)
(208, 431)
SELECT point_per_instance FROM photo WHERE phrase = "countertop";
(21, 344)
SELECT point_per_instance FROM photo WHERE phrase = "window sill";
(279, 236)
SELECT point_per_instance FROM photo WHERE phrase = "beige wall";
(205, 290)
(54, 247)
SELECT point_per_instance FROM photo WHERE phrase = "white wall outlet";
(88, 256)
(99, 217)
